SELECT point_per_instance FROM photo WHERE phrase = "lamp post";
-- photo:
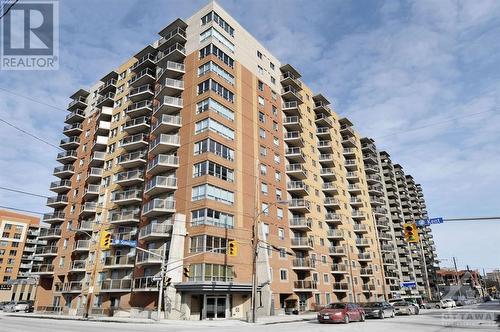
(255, 249)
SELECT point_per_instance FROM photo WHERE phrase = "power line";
(21, 210)
(23, 192)
(30, 134)
(8, 9)
(472, 219)
(33, 100)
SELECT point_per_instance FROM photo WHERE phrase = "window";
(317, 298)
(265, 231)
(323, 259)
(210, 168)
(263, 169)
(262, 133)
(213, 16)
(262, 117)
(277, 158)
(326, 278)
(212, 32)
(282, 253)
(213, 67)
(215, 126)
(211, 272)
(260, 70)
(277, 176)
(283, 275)
(276, 141)
(213, 105)
(212, 218)
(260, 85)
(281, 233)
(279, 213)
(212, 49)
(208, 191)
(273, 80)
(263, 188)
(328, 298)
(261, 101)
(263, 151)
(278, 194)
(209, 145)
(211, 84)
(265, 209)
(12, 252)
(275, 126)
(204, 243)
(259, 55)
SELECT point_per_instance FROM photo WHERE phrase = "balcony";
(371, 169)
(369, 147)
(70, 143)
(299, 205)
(76, 116)
(323, 120)
(364, 256)
(175, 53)
(292, 123)
(370, 158)
(305, 286)
(298, 188)
(324, 133)
(339, 269)
(167, 123)
(55, 217)
(60, 186)
(164, 143)
(291, 107)
(74, 129)
(328, 173)
(288, 78)
(134, 142)
(119, 237)
(85, 226)
(168, 105)
(67, 157)
(160, 184)
(140, 108)
(366, 272)
(300, 224)
(154, 232)
(97, 158)
(107, 87)
(77, 103)
(158, 206)
(46, 251)
(145, 258)
(145, 284)
(137, 125)
(127, 197)
(169, 87)
(379, 211)
(302, 243)
(115, 285)
(322, 107)
(331, 202)
(295, 155)
(94, 175)
(106, 100)
(50, 233)
(129, 178)
(296, 171)
(357, 214)
(351, 164)
(349, 142)
(124, 217)
(303, 264)
(355, 202)
(57, 202)
(42, 269)
(140, 93)
(368, 287)
(119, 262)
(329, 188)
(333, 218)
(144, 77)
(82, 245)
(293, 138)
(340, 287)
(72, 287)
(91, 191)
(354, 189)
(88, 208)
(335, 234)
(171, 69)
(326, 160)
(325, 146)
(162, 163)
(132, 159)
(373, 190)
(289, 93)
(360, 228)
(145, 61)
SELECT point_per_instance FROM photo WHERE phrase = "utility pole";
(457, 278)
(350, 272)
(427, 284)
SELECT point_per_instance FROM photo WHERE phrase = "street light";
(255, 250)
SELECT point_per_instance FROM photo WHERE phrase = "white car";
(446, 303)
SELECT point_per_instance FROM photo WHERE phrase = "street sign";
(428, 222)
(156, 278)
(408, 284)
(130, 243)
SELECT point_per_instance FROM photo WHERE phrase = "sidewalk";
(269, 320)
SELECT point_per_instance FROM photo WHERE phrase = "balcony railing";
(305, 284)
(155, 230)
(115, 284)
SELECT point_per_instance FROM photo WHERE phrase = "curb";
(83, 319)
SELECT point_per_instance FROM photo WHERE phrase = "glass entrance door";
(216, 307)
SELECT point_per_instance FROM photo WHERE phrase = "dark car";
(378, 310)
(405, 308)
(341, 313)
(3, 304)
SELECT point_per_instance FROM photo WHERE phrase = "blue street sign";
(428, 222)
(409, 284)
(130, 243)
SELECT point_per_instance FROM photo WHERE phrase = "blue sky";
(400, 70)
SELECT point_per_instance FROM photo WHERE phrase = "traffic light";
(411, 233)
(232, 248)
(167, 282)
(105, 240)
(186, 272)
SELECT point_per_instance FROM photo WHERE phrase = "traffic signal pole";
(427, 284)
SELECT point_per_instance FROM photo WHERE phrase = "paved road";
(471, 318)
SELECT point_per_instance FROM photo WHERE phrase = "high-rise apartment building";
(189, 144)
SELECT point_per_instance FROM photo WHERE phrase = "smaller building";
(459, 284)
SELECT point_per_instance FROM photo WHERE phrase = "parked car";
(341, 313)
(3, 304)
(16, 306)
(405, 308)
(446, 303)
(378, 310)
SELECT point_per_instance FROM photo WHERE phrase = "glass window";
(263, 188)
(213, 85)
(208, 191)
(213, 16)
(215, 126)
(212, 49)
(209, 145)
(212, 218)
(213, 67)
(212, 32)
(213, 169)
(283, 275)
